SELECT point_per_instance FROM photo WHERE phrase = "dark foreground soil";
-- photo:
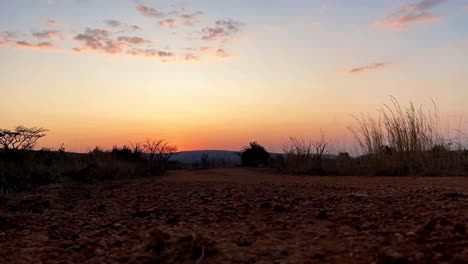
(239, 216)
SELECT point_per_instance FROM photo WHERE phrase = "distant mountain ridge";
(233, 157)
(190, 157)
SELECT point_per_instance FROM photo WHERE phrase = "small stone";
(391, 256)
(173, 220)
(67, 244)
(358, 196)
(279, 208)
(243, 242)
(322, 215)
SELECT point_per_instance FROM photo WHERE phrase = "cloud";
(121, 27)
(169, 23)
(189, 19)
(191, 57)
(207, 49)
(51, 22)
(133, 40)
(222, 30)
(99, 40)
(149, 11)
(6, 38)
(150, 53)
(221, 53)
(113, 23)
(47, 34)
(39, 46)
(9, 38)
(363, 69)
(410, 14)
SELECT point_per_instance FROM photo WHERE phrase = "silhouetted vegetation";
(406, 141)
(303, 157)
(254, 155)
(22, 168)
(20, 138)
(400, 141)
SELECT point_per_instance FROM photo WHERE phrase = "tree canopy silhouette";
(21, 138)
(254, 155)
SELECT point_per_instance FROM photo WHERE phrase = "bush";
(22, 170)
(406, 141)
(254, 155)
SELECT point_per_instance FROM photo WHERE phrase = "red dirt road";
(240, 216)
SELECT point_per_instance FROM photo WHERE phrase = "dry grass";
(407, 141)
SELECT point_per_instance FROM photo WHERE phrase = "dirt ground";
(239, 216)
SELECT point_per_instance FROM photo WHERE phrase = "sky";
(217, 74)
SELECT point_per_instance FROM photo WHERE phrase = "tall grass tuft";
(406, 141)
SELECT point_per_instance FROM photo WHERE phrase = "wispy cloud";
(6, 38)
(38, 46)
(409, 14)
(191, 57)
(113, 37)
(150, 53)
(149, 11)
(47, 34)
(103, 41)
(113, 23)
(221, 53)
(9, 39)
(207, 49)
(188, 19)
(169, 23)
(99, 40)
(222, 30)
(51, 22)
(133, 40)
(119, 26)
(366, 68)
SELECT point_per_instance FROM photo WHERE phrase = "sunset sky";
(217, 74)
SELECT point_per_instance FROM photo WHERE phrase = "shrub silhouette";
(254, 155)
(21, 138)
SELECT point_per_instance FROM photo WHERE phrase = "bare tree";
(159, 152)
(21, 138)
(320, 146)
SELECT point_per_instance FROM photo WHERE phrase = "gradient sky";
(218, 74)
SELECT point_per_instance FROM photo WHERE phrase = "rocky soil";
(239, 216)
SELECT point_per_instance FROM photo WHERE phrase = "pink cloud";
(149, 11)
(207, 49)
(51, 22)
(221, 53)
(38, 46)
(169, 23)
(150, 53)
(375, 66)
(191, 57)
(47, 34)
(99, 40)
(133, 40)
(406, 15)
(189, 19)
(222, 30)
